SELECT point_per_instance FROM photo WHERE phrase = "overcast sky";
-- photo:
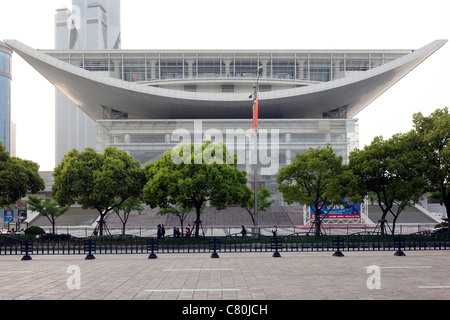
(245, 24)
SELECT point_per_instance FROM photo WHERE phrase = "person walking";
(243, 232)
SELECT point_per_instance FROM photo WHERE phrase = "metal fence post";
(213, 246)
(275, 242)
(338, 242)
(151, 247)
(90, 247)
(25, 248)
(399, 242)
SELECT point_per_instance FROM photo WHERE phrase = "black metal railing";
(91, 246)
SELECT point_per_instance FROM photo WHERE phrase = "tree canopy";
(388, 169)
(319, 179)
(263, 202)
(191, 176)
(433, 137)
(47, 208)
(17, 178)
(96, 180)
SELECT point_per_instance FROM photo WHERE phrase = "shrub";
(439, 225)
(34, 231)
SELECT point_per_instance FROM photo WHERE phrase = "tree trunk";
(383, 222)
(317, 222)
(53, 225)
(182, 226)
(393, 224)
(197, 221)
(101, 223)
(447, 209)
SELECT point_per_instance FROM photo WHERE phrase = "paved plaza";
(233, 276)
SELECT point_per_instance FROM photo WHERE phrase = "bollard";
(337, 242)
(399, 242)
(213, 247)
(151, 247)
(89, 247)
(275, 242)
(26, 249)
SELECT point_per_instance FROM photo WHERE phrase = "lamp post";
(255, 169)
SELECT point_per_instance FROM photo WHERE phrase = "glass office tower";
(5, 96)
(88, 24)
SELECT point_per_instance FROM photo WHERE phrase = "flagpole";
(255, 128)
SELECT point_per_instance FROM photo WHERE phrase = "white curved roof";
(91, 91)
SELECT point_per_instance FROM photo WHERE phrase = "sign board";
(348, 210)
(9, 215)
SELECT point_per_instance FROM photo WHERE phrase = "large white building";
(143, 101)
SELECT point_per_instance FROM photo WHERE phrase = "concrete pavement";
(233, 276)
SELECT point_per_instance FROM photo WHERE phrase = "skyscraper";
(89, 24)
(5, 95)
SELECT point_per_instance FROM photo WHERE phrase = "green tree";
(97, 181)
(17, 178)
(318, 179)
(433, 136)
(47, 208)
(263, 202)
(388, 169)
(126, 207)
(192, 176)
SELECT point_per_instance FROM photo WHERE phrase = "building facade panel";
(279, 140)
(5, 95)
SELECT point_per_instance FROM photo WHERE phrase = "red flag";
(255, 115)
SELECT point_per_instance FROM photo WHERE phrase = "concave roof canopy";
(92, 91)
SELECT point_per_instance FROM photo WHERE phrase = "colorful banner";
(348, 210)
(9, 215)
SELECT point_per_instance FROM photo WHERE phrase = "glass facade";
(134, 66)
(5, 97)
(279, 140)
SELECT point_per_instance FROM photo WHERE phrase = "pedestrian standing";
(159, 232)
(244, 232)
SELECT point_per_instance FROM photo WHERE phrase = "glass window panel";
(134, 70)
(283, 68)
(96, 64)
(244, 68)
(318, 70)
(172, 69)
(2, 61)
(209, 69)
(7, 64)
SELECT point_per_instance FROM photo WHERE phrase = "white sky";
(245, 24)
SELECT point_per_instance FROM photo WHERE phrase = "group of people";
(274, 232)
(161, 233)
(13, 232)
(178, 234)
